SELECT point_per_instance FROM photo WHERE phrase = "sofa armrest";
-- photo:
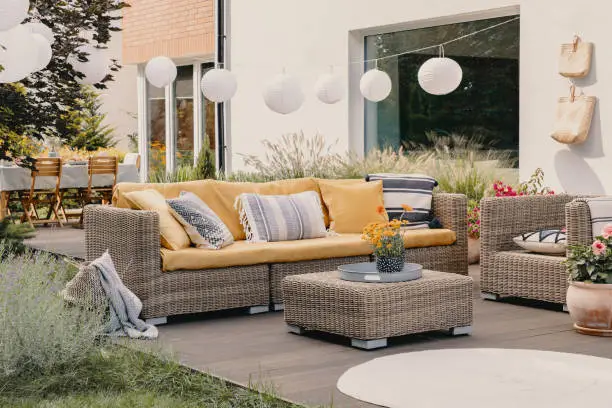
(132, 238)
(451, 209)
(503, 218)
(578, 222)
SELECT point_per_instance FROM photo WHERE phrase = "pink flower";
(599, 247)
(607, 231)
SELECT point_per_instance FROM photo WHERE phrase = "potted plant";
(388, 245)
(589, 296)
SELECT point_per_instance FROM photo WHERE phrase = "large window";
(156, 110)
(485, 106)
(183, 87)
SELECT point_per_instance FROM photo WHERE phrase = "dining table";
(74, 175)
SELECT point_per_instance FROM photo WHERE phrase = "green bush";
(38, 331)
(12, 236)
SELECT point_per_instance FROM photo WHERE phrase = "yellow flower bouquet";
(387, 244)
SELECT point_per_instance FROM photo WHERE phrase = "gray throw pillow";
(204, 227)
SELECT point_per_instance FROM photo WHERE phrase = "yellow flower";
(379, 245)
(389, 246)
(407, 208)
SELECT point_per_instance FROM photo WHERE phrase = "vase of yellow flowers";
(387, 244)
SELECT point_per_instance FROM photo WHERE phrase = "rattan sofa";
(508, 271)
(132, 239)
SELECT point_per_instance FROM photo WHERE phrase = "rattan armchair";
(508, 271)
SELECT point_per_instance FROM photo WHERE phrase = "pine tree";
(86, 123)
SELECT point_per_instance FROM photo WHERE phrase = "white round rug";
(477, 378)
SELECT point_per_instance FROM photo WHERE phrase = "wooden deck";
(305, 369)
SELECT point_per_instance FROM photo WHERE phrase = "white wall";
(306, 37)
(120, 100)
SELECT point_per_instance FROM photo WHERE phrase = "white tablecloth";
(73, 176)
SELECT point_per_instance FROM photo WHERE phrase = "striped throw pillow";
(269, 218)
(204, 227)
(413, 190)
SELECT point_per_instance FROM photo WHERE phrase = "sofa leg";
(565, 309)
(461, 331)
(489, 296)
(369, 344)
(296, 329)
(279, 306)
(157, 321)
(258, 309)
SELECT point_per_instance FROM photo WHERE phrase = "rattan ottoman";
(370, 313)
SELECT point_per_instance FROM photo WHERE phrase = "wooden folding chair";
(101, 165)
(48, 167)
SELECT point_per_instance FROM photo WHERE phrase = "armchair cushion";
(547, 241)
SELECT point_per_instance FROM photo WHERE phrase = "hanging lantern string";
(440, 46)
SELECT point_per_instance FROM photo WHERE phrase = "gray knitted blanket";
(99, 283)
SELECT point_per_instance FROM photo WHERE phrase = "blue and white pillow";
(272, 218)
(548, 241)
(414, 190)
(204, 227)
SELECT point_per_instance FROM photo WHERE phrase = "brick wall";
(173, 28)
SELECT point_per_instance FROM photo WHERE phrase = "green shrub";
(12, 236)
(205, 166)
(181, 174)
(38, 331)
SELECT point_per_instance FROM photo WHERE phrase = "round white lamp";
(375, 85)
(283, 94)
(440, 76)
(12, 13)
(95, 69)
(42, 29)
(160, 72)
(44, 52)
(219, 85)
(330, 88)
(20, 57)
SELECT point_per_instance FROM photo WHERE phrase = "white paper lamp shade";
(440, 76)
(96, 67)
(12, 13)
(42, 29)
(330, 88)
(44, 52)
(20, 57)
(219, 85)
(375, 85)
(160, 72)
(283, 94)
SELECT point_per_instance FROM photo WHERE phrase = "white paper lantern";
(95, 69)
(283, 94)
(21, 55)
(440, 75)
(219, 85)
(375, 85)
(330, 88)
(42, 29)
(160, 72)
(44, 52)
(12, 13)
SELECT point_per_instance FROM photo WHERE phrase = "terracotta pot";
(473, 251)
(590, 305)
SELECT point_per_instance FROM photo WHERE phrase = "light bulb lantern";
(12, 13)
(375, 85)
(329, 88)
(284, 94)
(161, 71)
(42, 29)
(20, 56)
(440, 75)
(95, 68)
(219, 85)
(43, 51)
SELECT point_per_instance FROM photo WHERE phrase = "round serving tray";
(367, 272)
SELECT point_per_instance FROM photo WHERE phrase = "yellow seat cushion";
(173, 235)
(353, 206)
(247, 253)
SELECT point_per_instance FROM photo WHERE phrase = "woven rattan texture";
(132, 239)
(367, 311)
(507, 271)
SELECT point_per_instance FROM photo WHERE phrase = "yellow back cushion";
(173, 235)
(353, 206)
(338, 182)
(220, 196)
